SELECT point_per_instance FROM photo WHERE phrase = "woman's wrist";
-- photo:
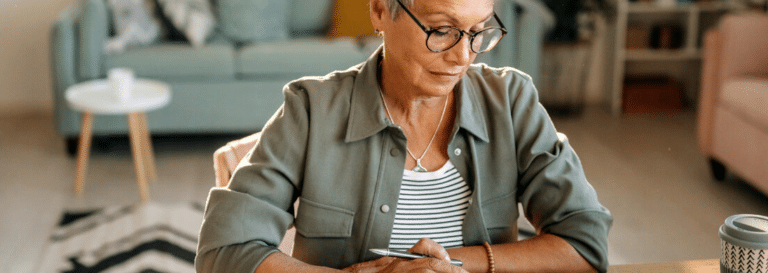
(491, 261)
(474, 258)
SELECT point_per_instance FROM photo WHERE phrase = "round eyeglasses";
(443, 38)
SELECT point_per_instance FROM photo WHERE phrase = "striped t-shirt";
(431, 205)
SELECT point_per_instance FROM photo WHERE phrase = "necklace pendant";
(419, 168)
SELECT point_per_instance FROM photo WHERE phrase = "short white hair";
(394, 7)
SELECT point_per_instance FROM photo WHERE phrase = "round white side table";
(97, 97)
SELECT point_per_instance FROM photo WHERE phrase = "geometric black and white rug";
(147, 237)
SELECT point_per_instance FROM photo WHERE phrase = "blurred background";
(636, 86)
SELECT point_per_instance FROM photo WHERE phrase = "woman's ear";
(379, 13)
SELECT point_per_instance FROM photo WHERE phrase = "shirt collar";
(470, 116)
(367, 115)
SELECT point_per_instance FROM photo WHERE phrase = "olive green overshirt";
(331, 144)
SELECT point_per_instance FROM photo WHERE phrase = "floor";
(646, 169)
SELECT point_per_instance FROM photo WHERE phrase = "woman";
(414, 149)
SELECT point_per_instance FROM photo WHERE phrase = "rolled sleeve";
(246, 221)
(232, 239)
(554, 192)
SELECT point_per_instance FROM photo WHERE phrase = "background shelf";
(680, 61)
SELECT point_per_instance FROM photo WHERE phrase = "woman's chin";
(438, 88)
(446, 79)
(443, 82)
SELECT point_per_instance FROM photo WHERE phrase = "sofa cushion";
(177, 60)
(309, 17)
(300, 57)
(254, 20)
(748, 97)
(93, 30)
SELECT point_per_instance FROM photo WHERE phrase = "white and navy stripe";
(431, 205)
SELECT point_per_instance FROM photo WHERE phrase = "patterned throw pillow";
(193, 18)
(133, 25)
(247, 21)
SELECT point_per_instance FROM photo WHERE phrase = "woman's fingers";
(426, 246)
(442, 266)
(423, 265)
(439, 261)
(371, 266)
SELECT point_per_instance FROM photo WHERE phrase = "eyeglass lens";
(443, 38)
(446, 37)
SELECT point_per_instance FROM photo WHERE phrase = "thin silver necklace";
(419, 167)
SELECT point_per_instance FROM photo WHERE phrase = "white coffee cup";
(121, 82)
(744, 244)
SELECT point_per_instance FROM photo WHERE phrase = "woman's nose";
(461, 53)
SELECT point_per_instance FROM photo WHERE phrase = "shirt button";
(394, 152)
(470, 201)
(384, 208)
(457, 152)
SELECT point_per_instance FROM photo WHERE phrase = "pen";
(402, 254)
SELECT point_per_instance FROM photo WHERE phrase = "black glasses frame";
(430, 31)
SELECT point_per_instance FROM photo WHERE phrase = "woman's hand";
(438, 262)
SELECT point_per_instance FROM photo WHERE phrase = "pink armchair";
(226, 158)
(733, 106)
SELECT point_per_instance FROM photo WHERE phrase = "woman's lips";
(445, 74)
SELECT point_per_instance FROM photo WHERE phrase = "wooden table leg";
(83, 151)
(134, 128)
(149, 153)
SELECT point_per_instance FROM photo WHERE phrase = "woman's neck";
(407, 104)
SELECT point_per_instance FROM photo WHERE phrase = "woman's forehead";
(460, 10)
(453, 4)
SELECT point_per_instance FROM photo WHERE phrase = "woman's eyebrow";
(488, 18)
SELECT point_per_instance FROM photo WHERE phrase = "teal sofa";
(231, 87)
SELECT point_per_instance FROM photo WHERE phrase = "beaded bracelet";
(491, 264)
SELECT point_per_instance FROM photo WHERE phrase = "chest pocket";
(323, 233)
(500, 217)
(318, 220)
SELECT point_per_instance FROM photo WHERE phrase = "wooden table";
(697, 266)
(98, 97)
